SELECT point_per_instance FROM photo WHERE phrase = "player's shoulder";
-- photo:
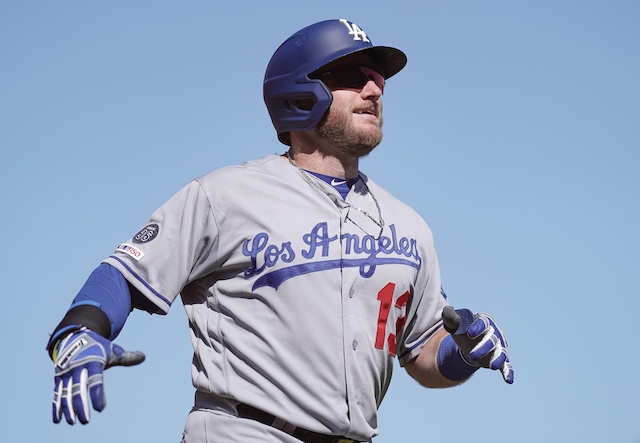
(387, 197)
(395, 204)
(240, 172)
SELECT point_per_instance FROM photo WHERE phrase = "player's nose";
(371, 91)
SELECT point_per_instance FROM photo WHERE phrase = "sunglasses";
(353, 77)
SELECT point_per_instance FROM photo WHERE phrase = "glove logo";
(147, 233)
(64, 359)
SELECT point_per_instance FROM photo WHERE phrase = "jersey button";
(355, 344)
(351, 292)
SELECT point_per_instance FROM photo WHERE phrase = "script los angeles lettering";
(269, 254)
(260, 250)
(317, 243)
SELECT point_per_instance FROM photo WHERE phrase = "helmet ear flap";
(297, 110)
(301, 105)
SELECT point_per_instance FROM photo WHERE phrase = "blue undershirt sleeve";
(107, 289)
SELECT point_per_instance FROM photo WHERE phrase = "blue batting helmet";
(287, 82)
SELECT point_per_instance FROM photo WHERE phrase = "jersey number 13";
(385, 296)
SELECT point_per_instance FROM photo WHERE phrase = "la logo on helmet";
(355, 30)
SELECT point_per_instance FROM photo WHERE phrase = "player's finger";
(487, 344)
(80, 398)
(96, 390)
(126, 358)
(456, 321)
(498, 358)
(450, 319)
(67, 402)
(57, 402)
(478, 327)
(507, 372)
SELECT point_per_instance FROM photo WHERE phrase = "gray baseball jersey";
(298, 301)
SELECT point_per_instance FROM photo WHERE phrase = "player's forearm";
(102, 305)
(425, 369)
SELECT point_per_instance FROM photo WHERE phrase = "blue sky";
(514, 130)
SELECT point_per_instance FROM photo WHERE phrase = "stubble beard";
(343, 139)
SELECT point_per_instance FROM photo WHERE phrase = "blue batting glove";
(79, 362)
(480, 340)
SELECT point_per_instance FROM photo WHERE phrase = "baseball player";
(302, 278)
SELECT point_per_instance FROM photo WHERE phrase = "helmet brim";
(389, 61)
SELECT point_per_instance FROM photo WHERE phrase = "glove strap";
(88, 316)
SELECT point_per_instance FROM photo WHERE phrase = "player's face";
(353, 124)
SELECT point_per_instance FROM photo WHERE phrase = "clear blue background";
(514, 130)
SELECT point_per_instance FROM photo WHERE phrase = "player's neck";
(321, 163)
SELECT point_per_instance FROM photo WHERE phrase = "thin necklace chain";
(340, 202)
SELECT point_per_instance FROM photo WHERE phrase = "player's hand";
(81, 358)
(479, 339)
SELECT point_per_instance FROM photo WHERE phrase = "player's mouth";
(367, 111)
